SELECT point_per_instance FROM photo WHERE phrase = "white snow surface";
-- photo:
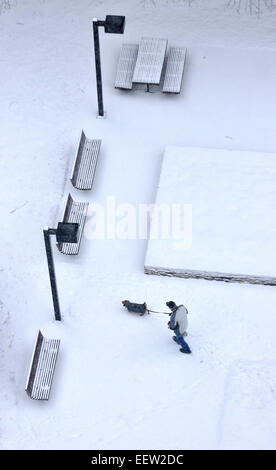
(232, 197)
(120, 380)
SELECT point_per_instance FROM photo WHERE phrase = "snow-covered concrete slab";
(231, 229)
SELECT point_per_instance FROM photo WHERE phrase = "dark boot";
(185, 351)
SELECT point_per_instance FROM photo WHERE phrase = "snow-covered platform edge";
(210, 276)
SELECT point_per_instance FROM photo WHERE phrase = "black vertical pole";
(51, 267)
(96, 24)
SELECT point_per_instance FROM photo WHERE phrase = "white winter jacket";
(179, 318)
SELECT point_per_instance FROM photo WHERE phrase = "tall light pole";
(65, 233)
(112, 24)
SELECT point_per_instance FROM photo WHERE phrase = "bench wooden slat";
(53, 347)
(74, 212)
(95, 149)
(46, 367)
(38, 390)
(174, 70)
(88, 164)
(85, 162)
(126, 66)
(42, 368)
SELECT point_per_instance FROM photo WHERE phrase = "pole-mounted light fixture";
(65, 232)
(113, 24)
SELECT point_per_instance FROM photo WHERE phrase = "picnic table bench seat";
(174, 70)
(85, 162)
(42, 368)
(74, 212)
(126, 66)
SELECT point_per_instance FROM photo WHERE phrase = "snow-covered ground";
(120, 381)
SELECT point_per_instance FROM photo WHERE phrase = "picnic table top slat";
(150, 60)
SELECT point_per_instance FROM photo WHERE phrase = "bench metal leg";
(51, 268)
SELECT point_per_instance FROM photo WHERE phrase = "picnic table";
(149, 64)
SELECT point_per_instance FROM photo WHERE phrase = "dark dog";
(137, 308)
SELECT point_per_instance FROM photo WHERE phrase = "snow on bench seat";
(174, 70)
(85, 163)
(74, 212)
(126, 66)
(42, 368)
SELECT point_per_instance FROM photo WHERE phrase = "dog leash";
(164, 313)
(154, 311)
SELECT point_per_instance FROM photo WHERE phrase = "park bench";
(42, 368)
(85, 163)
(174, 70)
(126, 66)
(74, 212)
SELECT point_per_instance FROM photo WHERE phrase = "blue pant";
(181, 341)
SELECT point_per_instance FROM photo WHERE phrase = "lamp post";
(65, 233)
(112, 24)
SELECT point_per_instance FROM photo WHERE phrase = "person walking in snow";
(179, 324)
